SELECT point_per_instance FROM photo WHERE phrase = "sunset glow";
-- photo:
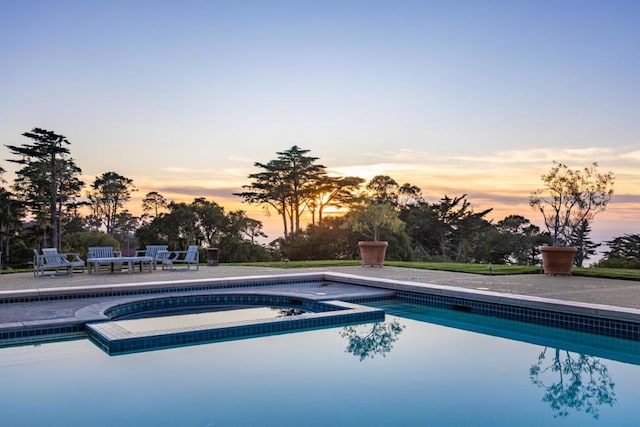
(475, 98)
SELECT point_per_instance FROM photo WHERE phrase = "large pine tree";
(287, 184)
(48, 179)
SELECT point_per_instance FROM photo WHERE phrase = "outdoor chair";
(189, 257)
(51, 260)
(156, 252)
(72, 257)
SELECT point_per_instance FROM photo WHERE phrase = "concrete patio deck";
(620, 293)
(617, 293)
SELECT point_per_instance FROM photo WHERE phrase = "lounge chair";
(189, 257)
(51, 260)
(157, 252)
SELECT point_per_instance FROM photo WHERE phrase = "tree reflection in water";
(371, 339)
(573, 381)
(286, 312)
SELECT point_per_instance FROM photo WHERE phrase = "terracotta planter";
(558, 260)
(372, 253)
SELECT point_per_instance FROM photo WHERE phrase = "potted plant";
(569, 198)
(369, 220)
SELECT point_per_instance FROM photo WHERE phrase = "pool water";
(205, 318)
(421, 367)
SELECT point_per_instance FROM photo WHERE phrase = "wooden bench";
(98, 256)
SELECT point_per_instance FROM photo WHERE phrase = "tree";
(80, 241)
(569, 197)
(286, 184)
(152, 203)
(109, 192)
(180, 226)
(371, 219)
(48, 178)
(447, 230)
(580, 239)
(210, 220)
(328, 240)
(383, 189)
(458, 225)
(409, 195)
(624, 252)
(237, 242)
(241, 224)
(153, 232)
(11, 211)
(336, 192)
(124, 227)
(204, 222)
(522, 239)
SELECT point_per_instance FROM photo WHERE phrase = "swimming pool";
(422, 366)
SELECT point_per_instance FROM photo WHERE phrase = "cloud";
(197, 191)
(633, 199)
(492, 199)
(633, 156)
(571, 156)
(190, 171)
(403, 155)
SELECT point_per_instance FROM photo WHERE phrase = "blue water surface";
(421, 367)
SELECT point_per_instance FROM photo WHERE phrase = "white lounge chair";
(51, 260)
(72, 257)
(157, 252)
(189, 257)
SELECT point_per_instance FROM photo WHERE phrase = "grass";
(299, 264)
(444, 266)
(608, 273)
(17, 270)
(484, 269)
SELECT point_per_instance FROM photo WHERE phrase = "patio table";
(145, 262)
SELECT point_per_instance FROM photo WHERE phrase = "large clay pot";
(372, 253)
(558, 260)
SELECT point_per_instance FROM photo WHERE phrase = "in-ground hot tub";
(126, 336)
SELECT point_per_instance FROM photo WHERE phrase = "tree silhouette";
(580, 239)
(108, 195)
(331, 191)
(573, 381)
(287, 185)
(48, 179)
(152, 203)
(624, 252)
(11, 211)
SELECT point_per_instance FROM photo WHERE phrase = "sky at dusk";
(455, 97)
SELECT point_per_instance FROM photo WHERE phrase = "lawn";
(485, 269)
